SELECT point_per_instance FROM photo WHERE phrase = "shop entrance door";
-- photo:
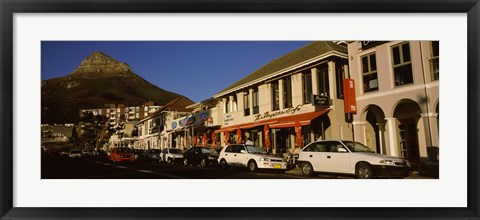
(281, 139)
(409, 141)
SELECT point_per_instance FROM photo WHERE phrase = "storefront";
(281, 131)
(290, 102)
(193, 130)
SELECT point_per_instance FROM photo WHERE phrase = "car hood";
(376, 156)
(266, 156)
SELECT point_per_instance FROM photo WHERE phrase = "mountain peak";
(99, 65)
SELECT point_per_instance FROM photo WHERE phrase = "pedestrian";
(248, 142)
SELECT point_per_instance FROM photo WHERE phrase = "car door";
(228, 155)
(197, 155)
(316, 156)
(241, 156)
(337, 157)
(163, 154)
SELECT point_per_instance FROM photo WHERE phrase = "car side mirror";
(243, 151)
(341, 150)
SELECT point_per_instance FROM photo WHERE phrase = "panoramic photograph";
(240, 109)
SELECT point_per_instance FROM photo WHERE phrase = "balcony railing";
(434, 68)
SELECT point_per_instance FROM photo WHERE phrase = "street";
(63, 167)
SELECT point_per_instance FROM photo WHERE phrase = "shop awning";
(282, 122)
(304, 119)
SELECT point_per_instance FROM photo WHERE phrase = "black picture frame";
(10, 7)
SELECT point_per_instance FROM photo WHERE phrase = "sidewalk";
(298, 172)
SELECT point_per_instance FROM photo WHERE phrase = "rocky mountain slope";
(98, 80)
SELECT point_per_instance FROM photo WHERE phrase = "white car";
(171, 155)
(87, 152)
(250, 156)
(351, 158)
(75, 153)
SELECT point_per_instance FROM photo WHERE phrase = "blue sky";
(195, 69)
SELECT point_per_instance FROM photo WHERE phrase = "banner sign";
(350, 100)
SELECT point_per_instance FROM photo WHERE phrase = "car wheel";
(169, 161)
(307, 169)
(203, 163)
(223, 164)
(185, 162)
(252, 166)
(364, 171)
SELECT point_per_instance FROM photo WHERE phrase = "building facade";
(117, 113)
(397, 95)
(289, 102)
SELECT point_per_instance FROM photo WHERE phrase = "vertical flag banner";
(267, 136)
(204, 139)
(214, 139)
(298, 134)
(225, 133)
(239, 136)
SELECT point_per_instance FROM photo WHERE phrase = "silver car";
(349, 158)
(75, 153)
(171, 155)
(250, 156)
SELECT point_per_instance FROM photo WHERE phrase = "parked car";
(100, 153)
(349, 158)
(152, 154)
(75, 153)
(203, 156)
(87, 152)
(171, 155)
(250, 156)
(138, 153)
(121, 154)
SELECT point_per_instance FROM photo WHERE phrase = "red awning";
(282, 122)
(304, 119)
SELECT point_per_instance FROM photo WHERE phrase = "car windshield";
(255, 149)
(209, 151)
(357, 147)
(124, 150)
(175, 151)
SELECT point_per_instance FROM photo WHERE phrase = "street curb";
(415, 175)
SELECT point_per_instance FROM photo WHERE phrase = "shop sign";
(321, 100)
(228, 119)
(187, 121)
(369, 44)
(174, 124)
(203, 116)
(269, 115)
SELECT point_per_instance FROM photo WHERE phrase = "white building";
(397, 88)
(289, 102)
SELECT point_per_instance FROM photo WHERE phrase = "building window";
(275, 96)
(246, 104)
(369, 73)
(402, 65)
(323, 81)
(307, 86)
(226, 105)
(435, 61)
(340, 75)
(255, 101)
(234, 103)
(287, 92)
